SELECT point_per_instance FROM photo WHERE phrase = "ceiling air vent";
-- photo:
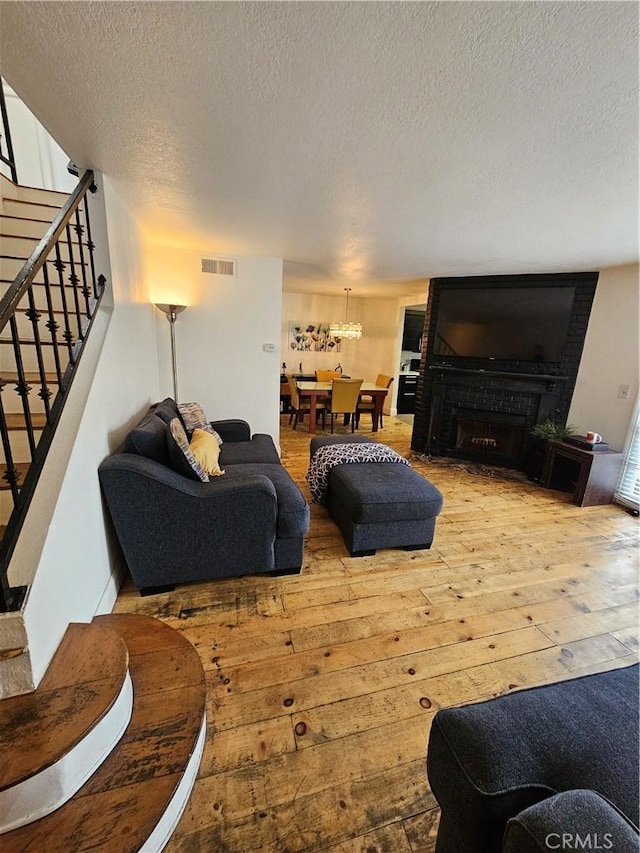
(216, 266)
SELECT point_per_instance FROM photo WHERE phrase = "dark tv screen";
(523, 323)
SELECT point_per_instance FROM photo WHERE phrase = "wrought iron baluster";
(90, 243)
(34, 315)
(22, 388)
(10, 159)
(67, 334)
(51, 323)
(73, 278)
(10, 474)
(86, 292)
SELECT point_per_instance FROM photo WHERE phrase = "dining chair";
(300, 408)
(327, 375)
(344, 399)
(367, 403)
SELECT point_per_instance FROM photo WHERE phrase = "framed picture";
(312, 337)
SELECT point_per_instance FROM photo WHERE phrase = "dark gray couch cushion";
(167, 410)
(573, 820)
(232, 429)
(373, 492)
(260, 449)
(149, 439)
(293, 510)
(489, 761)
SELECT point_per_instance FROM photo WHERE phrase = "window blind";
(628, 491)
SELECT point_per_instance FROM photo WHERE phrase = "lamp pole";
(171, 312)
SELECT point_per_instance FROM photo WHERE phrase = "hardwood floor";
(322, 687)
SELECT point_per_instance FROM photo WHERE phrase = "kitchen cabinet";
(412, 331)
(407, 387)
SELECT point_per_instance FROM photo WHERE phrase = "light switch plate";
(623, 392)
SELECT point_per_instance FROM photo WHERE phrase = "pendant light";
(346, 329)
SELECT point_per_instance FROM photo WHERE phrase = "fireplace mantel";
(507, 374)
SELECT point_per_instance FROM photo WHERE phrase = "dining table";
(314, 390)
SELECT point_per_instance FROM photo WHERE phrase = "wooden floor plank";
(318, 716)
(364, 679)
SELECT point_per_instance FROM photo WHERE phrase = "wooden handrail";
(25, 277)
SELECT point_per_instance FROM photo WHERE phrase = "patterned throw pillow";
(181, 455)
(194, 417)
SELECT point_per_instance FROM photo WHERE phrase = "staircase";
(25, 215)
(104, 754)
(49, 295)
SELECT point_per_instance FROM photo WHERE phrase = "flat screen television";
(516, 323)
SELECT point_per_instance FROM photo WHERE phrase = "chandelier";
(346, 329)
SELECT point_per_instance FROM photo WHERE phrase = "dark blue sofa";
(549, 768)
(174, 530)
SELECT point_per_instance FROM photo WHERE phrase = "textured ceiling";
(366, 143)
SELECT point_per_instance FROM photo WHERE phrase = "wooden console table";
(598, 471)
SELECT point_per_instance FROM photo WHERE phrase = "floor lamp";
(172, 312)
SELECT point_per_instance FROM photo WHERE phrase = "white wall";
(219, 338)
(610, 358)
(76, 575)
(40, 162)
(377, 351)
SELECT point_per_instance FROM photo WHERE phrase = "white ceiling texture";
(369, 144)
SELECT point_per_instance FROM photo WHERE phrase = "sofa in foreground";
(543, 769)
(173, 528)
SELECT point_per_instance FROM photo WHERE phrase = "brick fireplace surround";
(484, 409)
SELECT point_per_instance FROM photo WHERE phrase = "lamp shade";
(170, 310)
(345, 329)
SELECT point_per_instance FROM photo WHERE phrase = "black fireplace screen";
(489, 435)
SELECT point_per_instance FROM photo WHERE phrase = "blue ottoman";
(380, 505)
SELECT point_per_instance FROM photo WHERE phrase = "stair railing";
(45, 318)
(8, 158)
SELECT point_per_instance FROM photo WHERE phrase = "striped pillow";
(193, 417)
(182, 458)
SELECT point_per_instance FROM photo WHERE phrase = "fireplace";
(488, 436)
(488, 415)
(484, 408)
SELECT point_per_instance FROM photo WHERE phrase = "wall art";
(312, 337)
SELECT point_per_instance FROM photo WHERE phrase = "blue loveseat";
(173, 529)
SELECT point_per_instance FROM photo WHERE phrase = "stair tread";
(35, 240)
(82, 682)
(13, 216)
(118, 808)
(6, 200)
(17, 421)
(5, 282)
(61, 193)
(29, 375)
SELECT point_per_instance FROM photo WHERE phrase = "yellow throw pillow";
(206, 449)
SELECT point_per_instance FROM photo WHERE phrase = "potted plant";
(542, 433)
(550, 429)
